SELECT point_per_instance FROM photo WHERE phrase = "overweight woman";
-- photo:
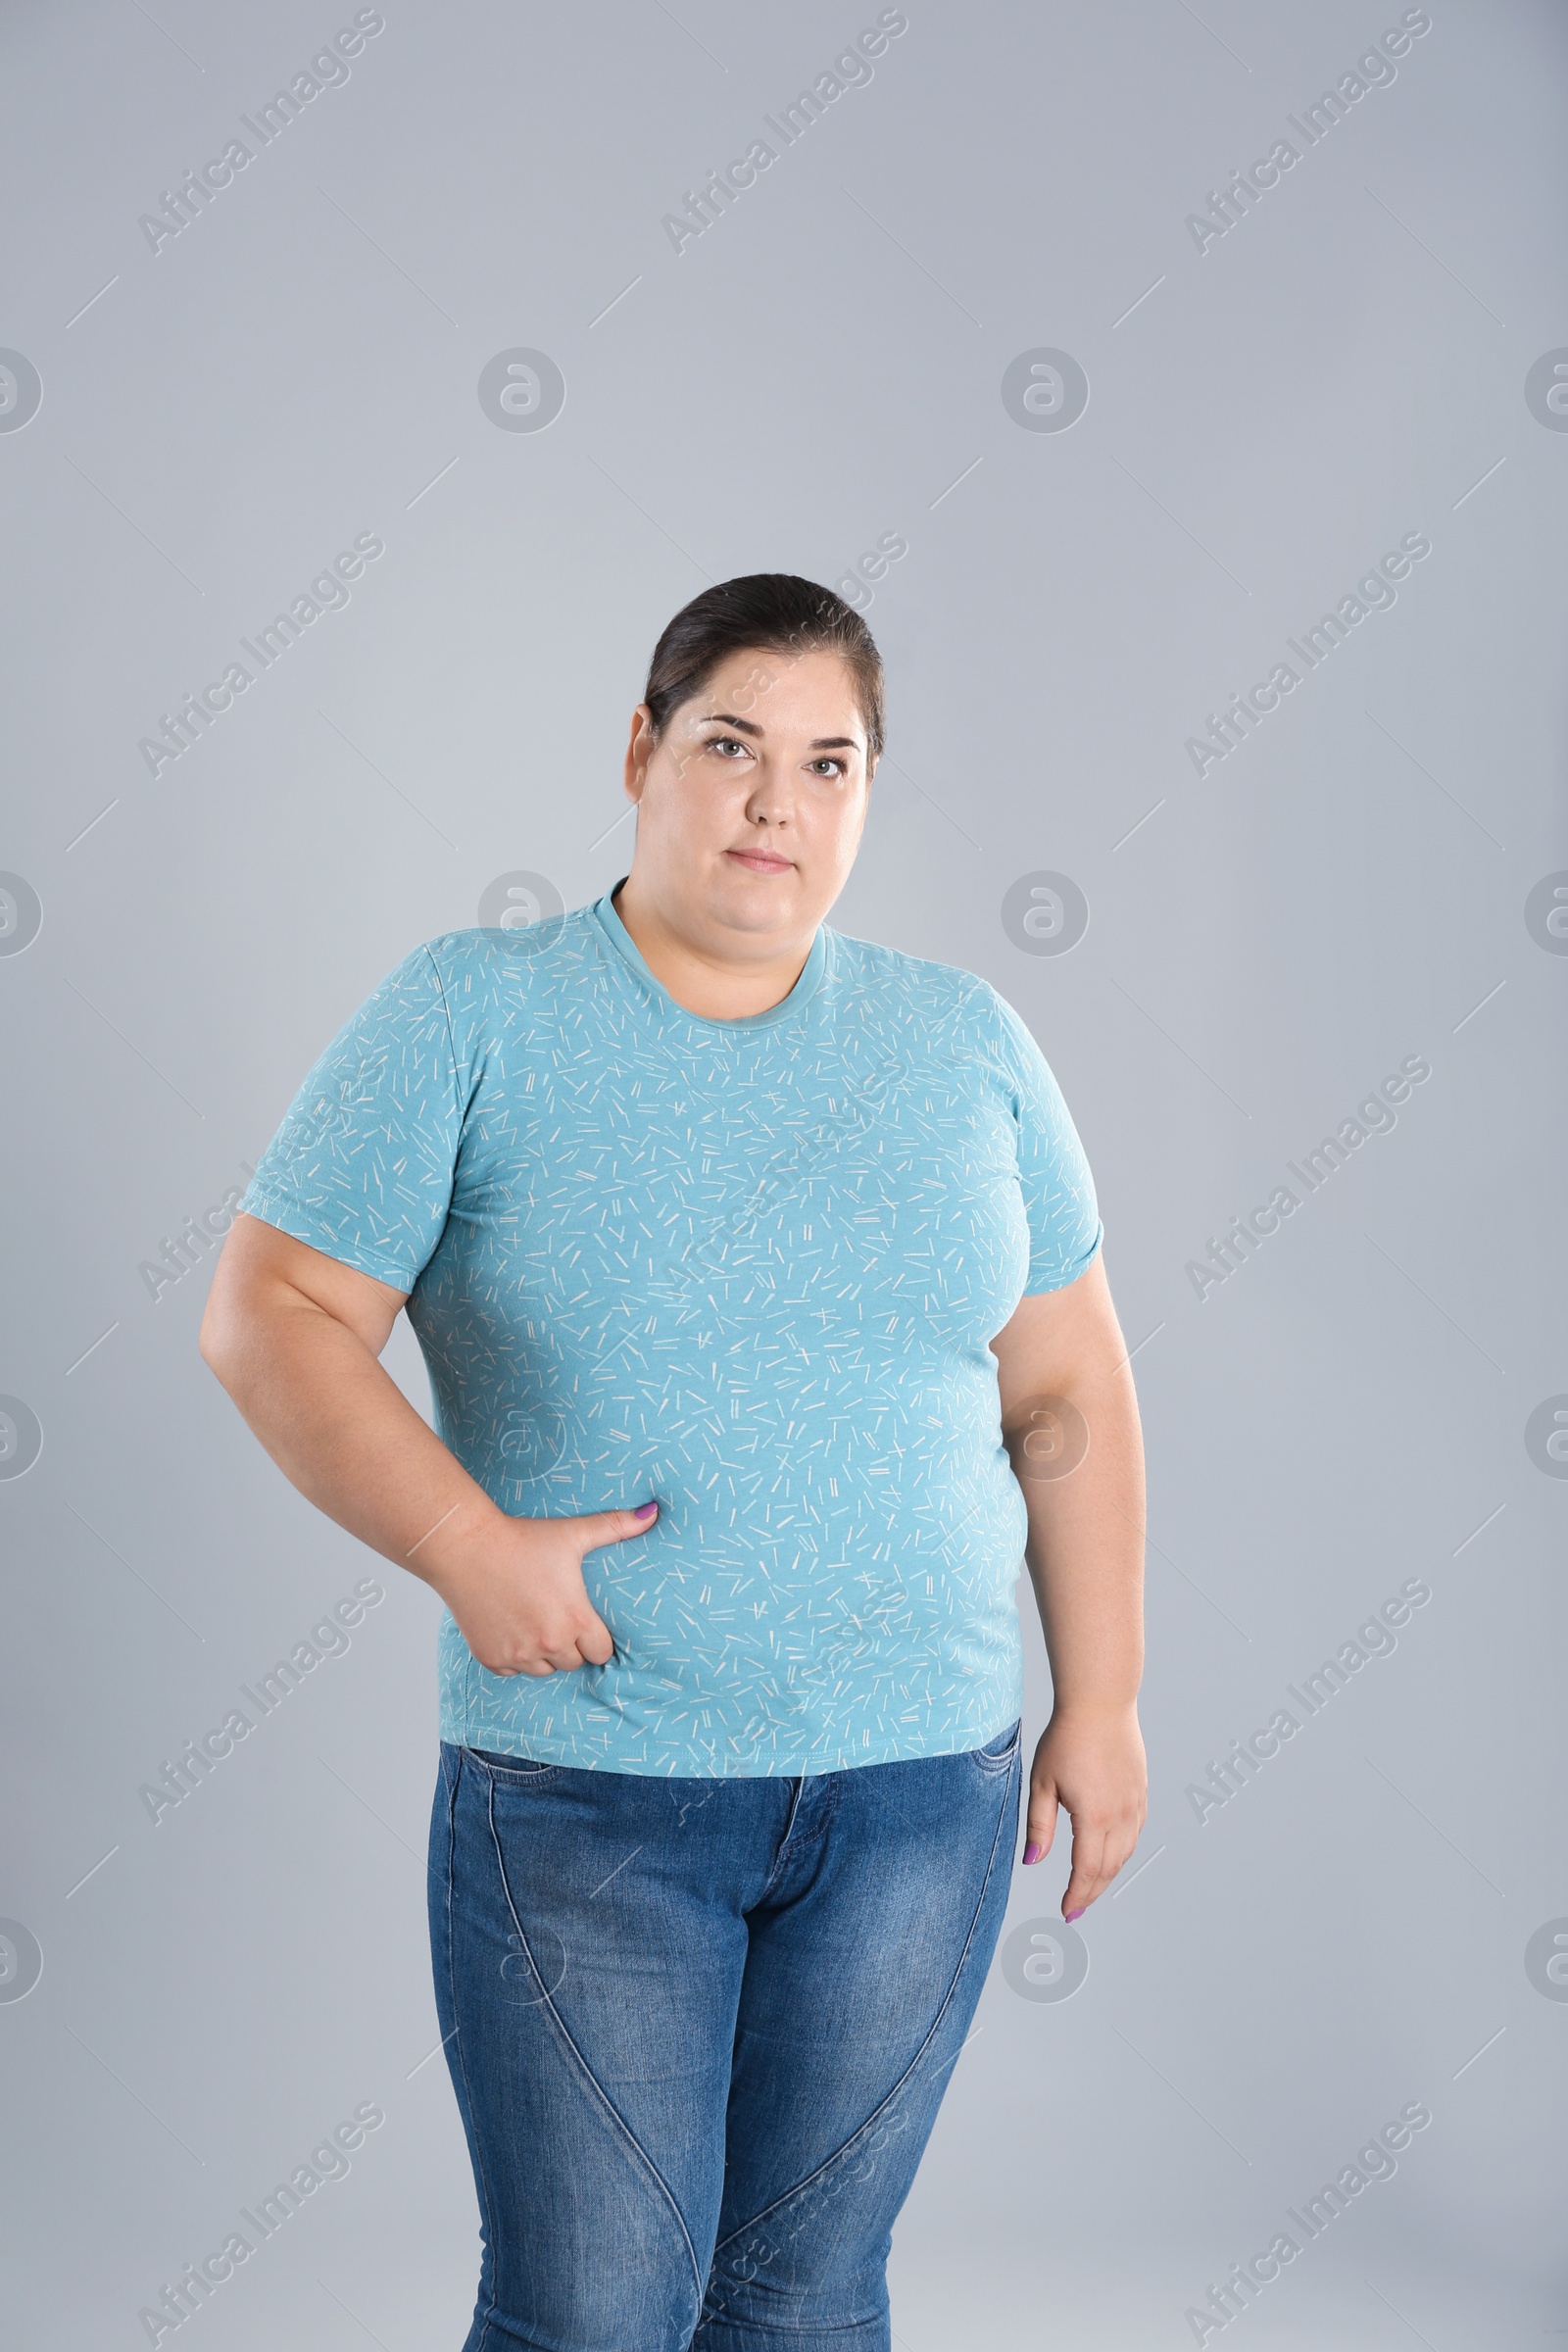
(756, 1268)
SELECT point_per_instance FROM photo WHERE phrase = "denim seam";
(457, 2044)
(984, 1762)
(886, 2101)
(769, 2332)
(783, 1843)
(508, 1771)
(547, 2002)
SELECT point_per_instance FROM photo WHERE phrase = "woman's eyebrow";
(823, 743)
(743, 724)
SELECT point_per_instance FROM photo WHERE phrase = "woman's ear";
(640, 749)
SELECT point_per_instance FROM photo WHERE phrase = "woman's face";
(751, 809)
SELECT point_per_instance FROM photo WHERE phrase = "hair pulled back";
(777, 613)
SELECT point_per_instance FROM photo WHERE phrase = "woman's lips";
(761, 862)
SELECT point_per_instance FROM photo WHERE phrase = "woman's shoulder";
(540, 955)
(477, 984)
(926, 988)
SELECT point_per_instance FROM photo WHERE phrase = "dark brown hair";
(778, 614)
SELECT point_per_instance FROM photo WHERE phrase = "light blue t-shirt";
(748, 1268)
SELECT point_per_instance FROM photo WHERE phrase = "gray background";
(1345, 889)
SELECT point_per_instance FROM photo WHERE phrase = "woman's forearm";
(341, 1430)
(1085, 1547)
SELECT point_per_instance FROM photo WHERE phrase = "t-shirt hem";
(792, 1766)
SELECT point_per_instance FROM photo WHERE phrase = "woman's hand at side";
(296, 1337)
(1089, 1763)
(518, 1594)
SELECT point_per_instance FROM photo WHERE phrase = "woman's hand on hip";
(520, 1599)
(1090, 1761)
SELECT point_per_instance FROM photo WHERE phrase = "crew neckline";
(631, 956)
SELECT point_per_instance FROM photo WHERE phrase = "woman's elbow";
(227, 1325)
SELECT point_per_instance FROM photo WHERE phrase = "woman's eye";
(725, 744)
(833, 767)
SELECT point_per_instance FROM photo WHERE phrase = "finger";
(598, 1528)
(1041, 1826)
(595, 1643)
(1099, 1855)
(1088, 1875)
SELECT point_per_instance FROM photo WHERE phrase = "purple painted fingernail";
(1031, 1852)
(1078, 1914)
(644, 1510)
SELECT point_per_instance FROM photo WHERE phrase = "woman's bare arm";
(295, 1337)
(1065, 1383)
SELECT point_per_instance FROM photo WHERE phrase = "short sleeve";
(361, 1167)
(1058, 1192)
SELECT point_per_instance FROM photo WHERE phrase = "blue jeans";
(699, 2031)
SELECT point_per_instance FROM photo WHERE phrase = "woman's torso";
(748, 1268)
